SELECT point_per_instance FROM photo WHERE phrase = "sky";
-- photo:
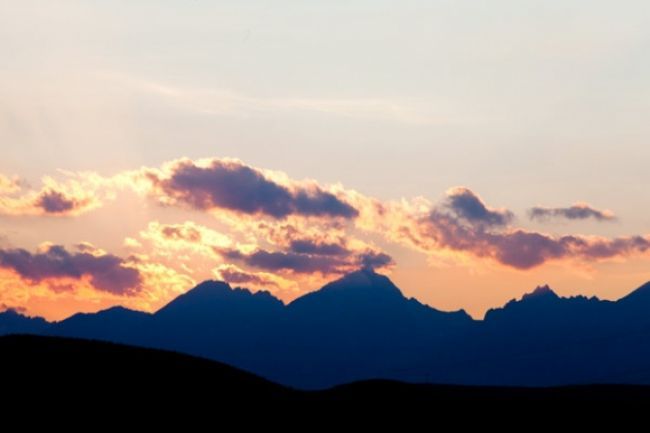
(470, 150)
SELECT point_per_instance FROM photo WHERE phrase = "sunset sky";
(470, 150)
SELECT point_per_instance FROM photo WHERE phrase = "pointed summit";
(371, 300)
(362, 288)
(364, 279)
(217, 298)
(540, 292)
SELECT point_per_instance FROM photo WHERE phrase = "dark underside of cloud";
(302, 263)
(523, 249)
(287, 261)
(55, 202)
(308, 246)
(235, 276)
(240, 188)
(107, 272)
(465, 223)
(574, 212)
(471, 208)
(374, 259)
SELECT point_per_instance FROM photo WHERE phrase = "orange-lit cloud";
(482, 232)
(234, 186)
(70, 197)
(187, 236)
(262, 229)
(9, 185)
(523, 249)
(56, 267)
(56, 297)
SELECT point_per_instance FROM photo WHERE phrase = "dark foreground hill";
(118, 375)
(74, 374)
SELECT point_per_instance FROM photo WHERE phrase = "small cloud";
(234, 275)
(181, 232)
(70, 198)
(578, 211)
(54, 202)
(375, 259)
(309, 246)
(469, 206)
(132, 243)
(106, 272)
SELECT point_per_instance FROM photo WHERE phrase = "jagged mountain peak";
(213, 296)
(543, 291)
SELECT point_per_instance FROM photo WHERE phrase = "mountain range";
(362, 327)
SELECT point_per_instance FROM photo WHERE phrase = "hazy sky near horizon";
(358, 117)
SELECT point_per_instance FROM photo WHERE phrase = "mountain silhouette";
(114, 324)
(543, 311)
(362, 327)
(13, 322)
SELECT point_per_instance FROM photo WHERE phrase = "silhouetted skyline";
(362, 327)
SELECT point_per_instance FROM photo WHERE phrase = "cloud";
(374, 259)
(287, 261)
(298, 231)
(578, 211)
(467, 205)
(9, 185)
(181, 232)
(310, 246)
(231, 185)
(234, 275)
(301, 263)
(474, 229)
(222, 102)
(524, 249)
(172, 239)
(55, 202)
(106, 272)
(71, 197)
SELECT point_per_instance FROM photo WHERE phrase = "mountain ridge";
(362, 327)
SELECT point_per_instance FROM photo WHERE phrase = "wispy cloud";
(228, 102)
(577, 211)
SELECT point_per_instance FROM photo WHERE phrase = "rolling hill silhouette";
(123, 384)
(361, 327)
